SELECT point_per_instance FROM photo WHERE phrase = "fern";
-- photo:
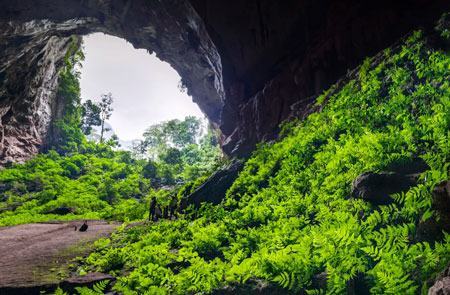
(288, 217)
(99, 288)
(60, 291)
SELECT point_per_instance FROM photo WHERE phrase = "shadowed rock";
(432, 228)
(319, 281)
(61, 211)
(441, 203)
(377, 188)
(213, 190)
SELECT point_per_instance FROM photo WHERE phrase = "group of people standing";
(166, 211)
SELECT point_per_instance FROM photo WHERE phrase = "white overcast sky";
(145, 88)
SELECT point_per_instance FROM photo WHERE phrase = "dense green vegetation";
(289, 215)
(81, 179)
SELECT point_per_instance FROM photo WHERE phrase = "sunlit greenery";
(289, 215)
(80, 179)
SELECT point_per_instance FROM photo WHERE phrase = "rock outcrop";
(214, 189)
(377, 188)
(442, 284)
(433, 228)
(248, 64)
(29, 66)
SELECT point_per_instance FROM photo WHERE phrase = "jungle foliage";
(81, 179)
(289, 215)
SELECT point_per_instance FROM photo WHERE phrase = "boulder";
(376, 188)
(319, 281)
(399, 176)
(441, 203)
(432, 228)
(441, 285)
(213, 190)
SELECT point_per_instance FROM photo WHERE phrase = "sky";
(144, 88)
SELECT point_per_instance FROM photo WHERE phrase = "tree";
(113, 141)
(68, 137)
(180, 148)
(171, 134)
(184, 133)
(105, 112)
(171, 156)
(138, 149)
(91, 116)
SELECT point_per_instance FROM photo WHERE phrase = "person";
(151, 215)
(83, 227)
(173, 206)
(158, 213)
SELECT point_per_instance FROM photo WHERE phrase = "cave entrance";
(145, 89)
(35, 38)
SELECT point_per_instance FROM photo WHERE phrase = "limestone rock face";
(29, 66)
(249, 65)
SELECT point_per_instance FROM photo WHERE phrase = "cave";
(249, 65)
(333, 116)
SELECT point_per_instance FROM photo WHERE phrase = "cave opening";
(350, 195)
(145, 90)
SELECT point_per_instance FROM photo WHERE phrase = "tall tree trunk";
(102, 131)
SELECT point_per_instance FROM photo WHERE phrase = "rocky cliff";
(248, 64)
(29, 62)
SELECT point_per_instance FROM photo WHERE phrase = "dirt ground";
(37, 254)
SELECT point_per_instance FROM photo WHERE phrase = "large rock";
(377, 188)
(248, 64)
(442, 284)
(441, 203)
(214, 189)
(432, 229)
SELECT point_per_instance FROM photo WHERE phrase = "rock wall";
(279, 55)
(249, 65)
(29, 67)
